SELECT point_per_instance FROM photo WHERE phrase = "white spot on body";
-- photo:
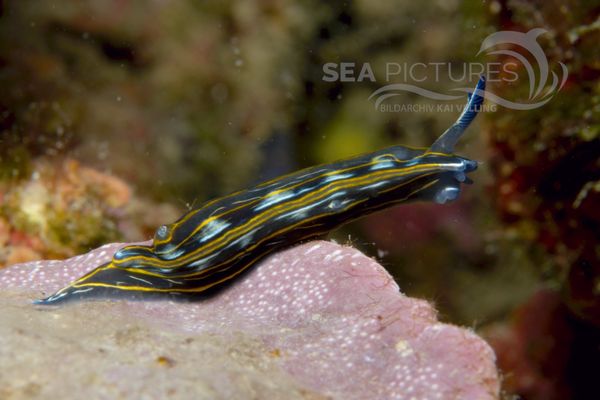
(82, 290)
(374, 185)
(274, 199)
(246, 239)
(198, 263)
(171, 255)
(140, 279)
(336, 177)
(212, 229)
(382, 165)
(302, 212)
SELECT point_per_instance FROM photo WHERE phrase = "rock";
(316, 321)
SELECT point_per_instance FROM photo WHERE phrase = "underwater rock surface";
(316, 321)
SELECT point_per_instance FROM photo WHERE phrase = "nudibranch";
(216, 242)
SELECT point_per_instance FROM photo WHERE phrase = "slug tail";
(446, 142)
(75, 289)
(55, 298)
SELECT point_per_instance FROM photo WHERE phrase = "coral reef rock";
(316, 321)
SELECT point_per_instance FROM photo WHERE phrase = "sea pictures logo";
(522, 58)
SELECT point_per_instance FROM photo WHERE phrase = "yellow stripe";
(249, 249)
(228, 277)
(256, 220)
(212, 218)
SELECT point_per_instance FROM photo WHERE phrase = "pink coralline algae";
(318, 320)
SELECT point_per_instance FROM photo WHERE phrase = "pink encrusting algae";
(333, 318)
